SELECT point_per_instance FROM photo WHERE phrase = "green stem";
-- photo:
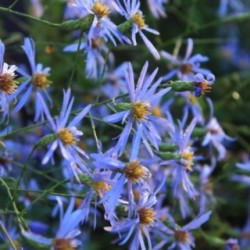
(179, 86)
(8, 236)
(44, 193)
(9, 11)
(21, 222)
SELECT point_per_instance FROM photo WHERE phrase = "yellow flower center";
(140, 110)
(156, 111)
(40, 81)
(96, 43)
(186, 68)
(138, 19)
(7, 83)
(100, 10)
(146, 216)
(188, 156)
(181, 236)
(63, 244)
(101, 186)
(135, 172)
(66, 136)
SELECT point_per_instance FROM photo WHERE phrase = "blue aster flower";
(139, 115)
(101, 23)
(95, 51)
(206, 196)
(67, 135)
(131, 11)
(36, 82)
(181, 168)
(139, 225)
(185, 67)
(131, 173)
(67, 232)
(215, 137)
(7, 83)
(203, 85)
(157, 7)
(181, 237)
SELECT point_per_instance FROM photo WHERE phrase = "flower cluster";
(131, 145)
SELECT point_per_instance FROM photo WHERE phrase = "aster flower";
(131, 173)
(206, 195)
(102, 24)
(186, 67)
(36, 82)
(203, 85)
(131, 11)
(182, 166)
(139, 113)
(67, 232)
(215, 137)
(139, 225)
(95, 51)
(7, 83)
(157, 7)
(182, 238)
(67, 135)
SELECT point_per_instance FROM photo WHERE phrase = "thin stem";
(23, 170)
(13, 4)
(94, 131)
(44, 193)
(76, 58)
(8, 236)
(8, 10)
(20, 219)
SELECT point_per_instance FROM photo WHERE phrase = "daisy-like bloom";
(203, 85)
(138, 226)
(131, 11)
(95, 51)
(67, 232)
(185, 67)
(184, 165)
(36, 82)
(131, 173)
(101, 23)
(157, 7)
(206, 195)
(139, 112)
(7, 83)
(67, 135)
(216, 136)
(181, 237)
